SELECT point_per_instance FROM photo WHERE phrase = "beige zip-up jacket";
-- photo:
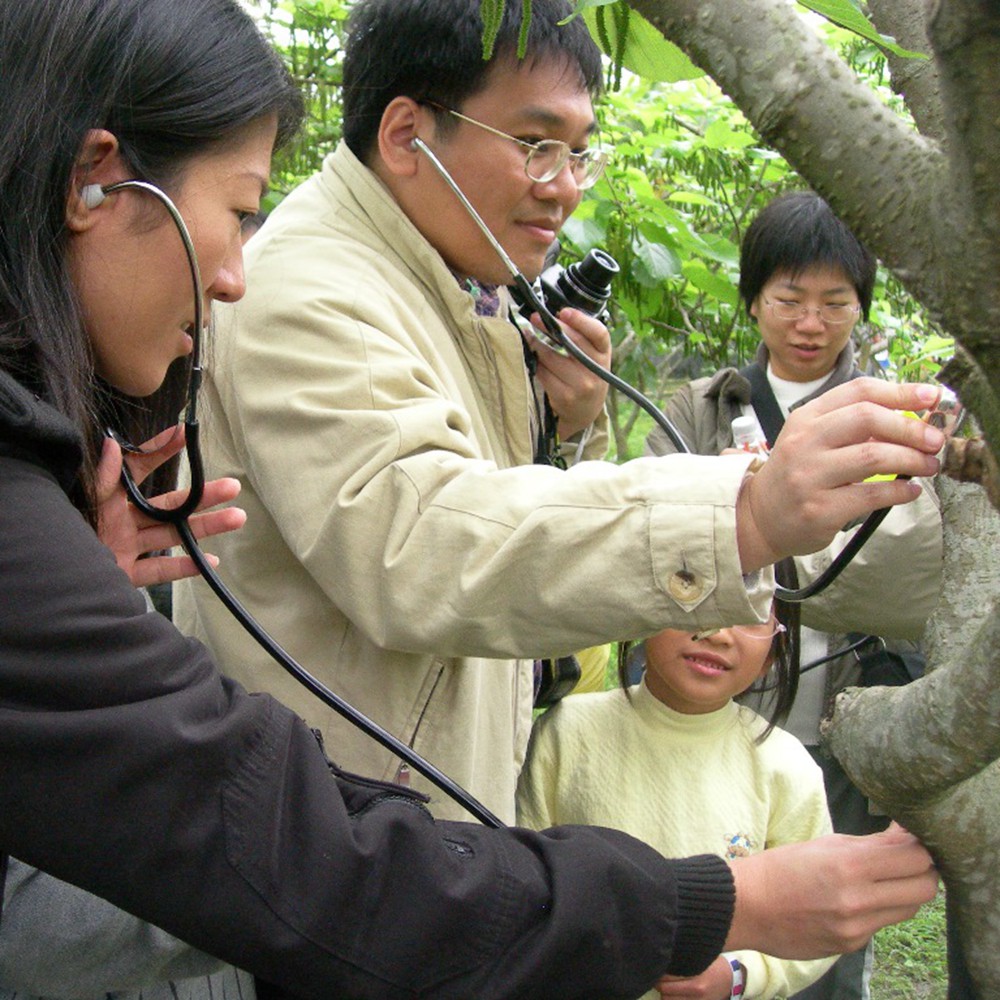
(399, 541)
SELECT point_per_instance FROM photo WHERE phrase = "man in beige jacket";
(377, 407)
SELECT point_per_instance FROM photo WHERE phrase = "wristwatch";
(739, 978)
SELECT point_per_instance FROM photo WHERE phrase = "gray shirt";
(57, 941)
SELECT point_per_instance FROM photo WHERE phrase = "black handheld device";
(584, 285)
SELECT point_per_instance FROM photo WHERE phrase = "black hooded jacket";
(130, 767)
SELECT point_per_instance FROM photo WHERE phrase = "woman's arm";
(131, 768)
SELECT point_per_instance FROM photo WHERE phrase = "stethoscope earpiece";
(92, 195)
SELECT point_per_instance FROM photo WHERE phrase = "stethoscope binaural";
(93, 195)
(555, 332)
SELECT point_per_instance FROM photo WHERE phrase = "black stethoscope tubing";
(178, 516)
(197, 489)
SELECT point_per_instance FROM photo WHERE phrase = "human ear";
(397, 131)
(98, 163)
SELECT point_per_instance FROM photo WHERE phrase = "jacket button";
(684, 587)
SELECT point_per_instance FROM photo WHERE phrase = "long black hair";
(169, 80)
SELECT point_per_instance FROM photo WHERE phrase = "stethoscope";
(93, 195)
(556, 334)
(178, 517)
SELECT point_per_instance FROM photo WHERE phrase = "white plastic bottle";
(747, 435)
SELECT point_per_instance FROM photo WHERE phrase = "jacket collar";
(356, 185)
(729, 385)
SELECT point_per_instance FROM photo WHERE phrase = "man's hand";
(577, 395)
(715, 983)
(811, 486)
(130, 534)
(830, 895)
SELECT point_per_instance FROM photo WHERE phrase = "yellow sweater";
(686, 784)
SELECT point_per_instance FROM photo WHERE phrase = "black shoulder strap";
(764, 404)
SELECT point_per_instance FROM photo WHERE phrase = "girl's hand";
(715, 983)
(131, 535)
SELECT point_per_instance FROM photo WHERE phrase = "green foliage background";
(687, 175)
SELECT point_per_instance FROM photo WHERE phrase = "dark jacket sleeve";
(130, 767)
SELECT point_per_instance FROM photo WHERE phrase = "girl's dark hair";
(169, 80)
(432, 51)
(781, 683)
(797, 231)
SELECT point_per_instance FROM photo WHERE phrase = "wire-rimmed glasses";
(762, 630)
(547, 157)
(831, 313)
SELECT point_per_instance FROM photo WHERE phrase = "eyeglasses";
(833, 314)
(547, 157)
(765, 630)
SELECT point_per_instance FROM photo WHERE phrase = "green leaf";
(719, 135)
(844, 13)
(690, 198)
(646, 53)
(582, 5)
(711, 283)
(584, 233)
(719, 248)
(654, 263)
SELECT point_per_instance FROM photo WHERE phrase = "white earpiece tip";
(92, 195)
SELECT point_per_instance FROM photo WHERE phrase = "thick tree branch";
(915, 80)
(965, 36)
(880, 175)
(937, 754)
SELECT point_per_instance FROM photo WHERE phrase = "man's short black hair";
(432, 50)
(797, 231)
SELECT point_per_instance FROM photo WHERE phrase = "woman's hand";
(131, 535)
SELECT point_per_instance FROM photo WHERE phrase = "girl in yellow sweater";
(675, 761)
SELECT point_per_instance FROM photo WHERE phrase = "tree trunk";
(927, 202)
(927, 753)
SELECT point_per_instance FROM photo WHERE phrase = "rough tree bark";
(927, 202)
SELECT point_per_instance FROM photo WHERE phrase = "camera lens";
(586, 285)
